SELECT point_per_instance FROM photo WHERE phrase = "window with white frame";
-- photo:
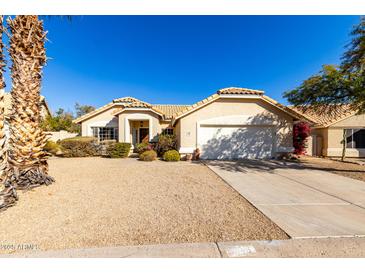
(168, 131)
(355, 138)
(105, 133)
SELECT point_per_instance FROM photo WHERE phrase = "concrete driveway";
(304, 202)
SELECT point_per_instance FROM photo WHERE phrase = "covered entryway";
(236, 142)
(139, 130)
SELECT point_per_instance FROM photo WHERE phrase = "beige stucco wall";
(352, 122)
(177, 132)
(164, 124)
(101, 119)
(333, 135)
(334, 145)
(258, 110)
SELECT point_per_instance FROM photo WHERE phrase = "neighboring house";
(231, 124)
(328, 129)
(45, 111)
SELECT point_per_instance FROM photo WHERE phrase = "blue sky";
(183, 59)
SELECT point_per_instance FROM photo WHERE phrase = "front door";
(143, 135)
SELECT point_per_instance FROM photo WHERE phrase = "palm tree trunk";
(7, 192)
(27, 158)
(344, 138)
(3, 157)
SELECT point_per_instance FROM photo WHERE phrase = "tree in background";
(334, 86)
(353, 59)
(62, 120)
(83, 109)
(301, 132)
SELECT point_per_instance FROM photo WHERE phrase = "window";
(105, 133)
(168, 131)
(355, 138)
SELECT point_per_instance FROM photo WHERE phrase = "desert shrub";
(53, 148)
(80, 147)
(148, 155)
(301, 132)
(118, 150)
(165, 143)
(107, 142)
(142, 147)
(104, 146)
(171, 156)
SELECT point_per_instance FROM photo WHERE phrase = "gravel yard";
(350, 170)
(109, 202)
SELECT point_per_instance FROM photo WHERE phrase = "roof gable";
(238, 93)
(167, 112)
(175, 112)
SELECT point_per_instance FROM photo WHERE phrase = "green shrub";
(149, 155)
(53, 148)
(80, 147)
(118, 150)
(165, 143)
(141, 147)
(171, 156)
(103, 145)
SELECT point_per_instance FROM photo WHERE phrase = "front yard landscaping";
(109, 202)
(350, 170)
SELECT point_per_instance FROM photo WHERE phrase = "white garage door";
(228, 142)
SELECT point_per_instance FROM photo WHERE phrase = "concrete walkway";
(304, 202)
(326, 247)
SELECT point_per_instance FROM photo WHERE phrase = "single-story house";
(233, 123)
(328, 128)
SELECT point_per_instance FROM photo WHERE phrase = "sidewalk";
(319, 247)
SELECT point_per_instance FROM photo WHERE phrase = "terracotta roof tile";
(196, 105)
(130, 102)
(170, 110)
(327, 115)
(235, 90)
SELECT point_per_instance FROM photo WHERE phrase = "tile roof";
(241, 91)
(170, 110)
(238, 91)
(130, 102)
(286, 109)
(174, 112)
(195, 106)
(326, 116)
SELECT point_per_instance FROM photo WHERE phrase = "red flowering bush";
(301, 132)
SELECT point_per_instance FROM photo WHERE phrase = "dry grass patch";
(350, 170)
(109, 202)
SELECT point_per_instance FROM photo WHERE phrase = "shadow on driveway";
(266, 165)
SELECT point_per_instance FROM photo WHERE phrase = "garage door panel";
(223, 142)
